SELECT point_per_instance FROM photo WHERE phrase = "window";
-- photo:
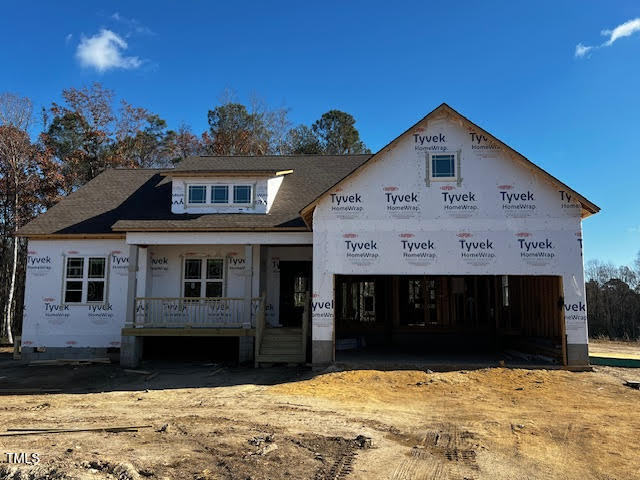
(443, 165)
(300, 289)
(419, 300)
(216, 194)
(242, 194)
(505, 290)
(197, 194)
(203, 277)
(220, 194)
(358, 301)
(85, 279)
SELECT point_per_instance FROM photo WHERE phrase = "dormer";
(202, 185)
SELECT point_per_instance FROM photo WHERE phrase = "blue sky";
(555, 80)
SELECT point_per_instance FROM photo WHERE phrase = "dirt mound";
(369, 386)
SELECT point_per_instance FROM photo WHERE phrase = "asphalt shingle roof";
(129, 200)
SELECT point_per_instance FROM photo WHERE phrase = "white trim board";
(219, 238)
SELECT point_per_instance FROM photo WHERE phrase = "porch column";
(255, 268)
(131, 346)
(142, 286)
(132, 285)
(248, 281)
(251, 284)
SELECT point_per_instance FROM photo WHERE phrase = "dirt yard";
(212, 422)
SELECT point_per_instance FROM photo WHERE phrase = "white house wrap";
(445, 231)
(501, 218)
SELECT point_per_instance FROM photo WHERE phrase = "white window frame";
(230, 194)
(233, 190)
(85, 279)
(456, 166)
(203, 280)
(206, 194)
(211, 187)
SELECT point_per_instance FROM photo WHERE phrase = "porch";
(188, 288)
(220, 317)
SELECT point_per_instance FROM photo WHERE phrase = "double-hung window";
(85, 279)
(203, 277)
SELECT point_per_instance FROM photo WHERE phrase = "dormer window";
(220, 195)
(241, 194)
(197, 194)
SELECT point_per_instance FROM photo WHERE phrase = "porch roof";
(121, 200)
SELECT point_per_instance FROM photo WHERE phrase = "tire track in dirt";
(436, 452)
(342, 466)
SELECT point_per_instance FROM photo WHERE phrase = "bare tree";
(15, 117)
(30, 181)
(15, 111)
(15, 146)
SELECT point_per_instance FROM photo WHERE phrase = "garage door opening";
(504, 316)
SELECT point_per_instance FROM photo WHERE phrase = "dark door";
(295, 282)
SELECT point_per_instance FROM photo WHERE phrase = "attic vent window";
(197, 194)
(443, 167)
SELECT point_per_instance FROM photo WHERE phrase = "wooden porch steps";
(281, 345)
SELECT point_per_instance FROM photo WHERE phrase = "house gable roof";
(588, 208)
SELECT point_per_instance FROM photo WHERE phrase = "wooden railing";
(212, 312)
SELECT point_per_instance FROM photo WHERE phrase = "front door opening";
(452, 314)
(295, 285)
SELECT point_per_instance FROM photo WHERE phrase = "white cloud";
(132, 24)
(625, 29)
(582, 50)
(103, 51)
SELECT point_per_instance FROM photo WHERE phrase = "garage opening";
(509, 315)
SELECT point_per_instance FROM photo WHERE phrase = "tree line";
(91, 130)
(613, 300)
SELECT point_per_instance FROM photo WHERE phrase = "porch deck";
(189, 332)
